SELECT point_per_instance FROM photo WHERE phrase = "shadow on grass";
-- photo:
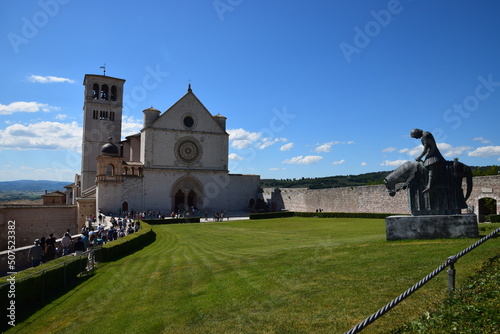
(27, 311)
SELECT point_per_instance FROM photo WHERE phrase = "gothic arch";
(186, 192)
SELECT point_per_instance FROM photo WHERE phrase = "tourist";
(42, 243)
(111, 233)
(65, 243)
(50, 252)
(50, 247)
(35, 253)
(79, 246)
(85, 239)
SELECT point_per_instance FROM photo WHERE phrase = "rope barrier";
(451, 260)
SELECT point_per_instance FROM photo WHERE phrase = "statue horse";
(446, 196)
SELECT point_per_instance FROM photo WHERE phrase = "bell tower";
(102, 118)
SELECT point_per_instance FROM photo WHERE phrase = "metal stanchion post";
(451, 274)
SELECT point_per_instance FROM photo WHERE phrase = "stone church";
(178, 161)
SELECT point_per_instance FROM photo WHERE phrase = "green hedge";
(493, 218)
(344, 215)
(269, 215)
(285, 214)
(127, 245)
(173, 221)
(34, 286)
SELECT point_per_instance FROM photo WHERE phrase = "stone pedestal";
(431, 227)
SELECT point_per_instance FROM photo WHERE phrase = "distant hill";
(32, 186)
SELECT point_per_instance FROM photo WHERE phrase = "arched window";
(95, 91)
(110, 170)
(113, 93)
(104, 92)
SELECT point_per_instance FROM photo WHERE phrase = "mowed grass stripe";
(282, 275)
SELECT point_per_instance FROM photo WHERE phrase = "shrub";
(270, 215)
(285, 214)
(36, 285)
(187, 220)
(493, 218)
(127, 245)
(343, 215)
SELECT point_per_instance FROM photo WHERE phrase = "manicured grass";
(289, 275)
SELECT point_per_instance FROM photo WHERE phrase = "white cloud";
(266, 142)
(389, 149)
(449, 151)
(286, 147)
(130, 126)
(446, 150)
(234, 157)
(482, 140)
(43, 136)
(240, 138)
(412, 151)
(364, 163)
(25, 107)
(276, 169)
(327, 147)
(485, 151)
(393, 163)
(48, 79)
(338, 162)
(301, 160)
(61, 117)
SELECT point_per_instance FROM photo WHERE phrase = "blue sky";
(309, 88)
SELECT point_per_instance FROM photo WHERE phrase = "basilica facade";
(177, 162)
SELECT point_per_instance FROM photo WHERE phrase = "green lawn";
(291, 275)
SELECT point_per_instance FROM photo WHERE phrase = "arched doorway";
(179, 201)
(187, 194)
(486, 206)
(125, 207)
(191, 200)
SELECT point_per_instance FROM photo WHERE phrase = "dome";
(110, 149)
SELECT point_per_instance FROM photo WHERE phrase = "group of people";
(218, 216)
(46, 249)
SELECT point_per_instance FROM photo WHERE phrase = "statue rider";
(433, 157)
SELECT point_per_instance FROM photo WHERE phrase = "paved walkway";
(231, 216)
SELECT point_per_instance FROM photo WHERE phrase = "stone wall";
(484, 187)
(365, 198)
(33, 222)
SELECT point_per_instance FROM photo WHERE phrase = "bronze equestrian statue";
(434, 185)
